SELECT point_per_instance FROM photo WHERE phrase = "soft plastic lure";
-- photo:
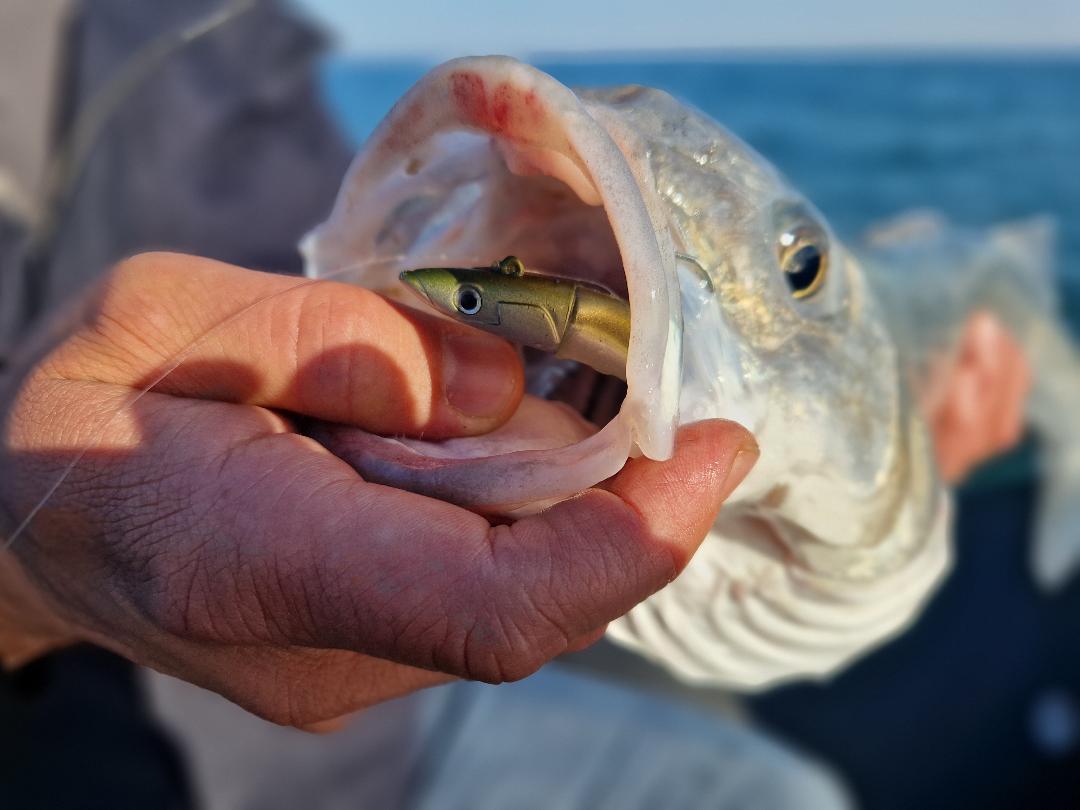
(571, 319)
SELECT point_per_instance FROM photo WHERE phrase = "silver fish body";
(743, 306)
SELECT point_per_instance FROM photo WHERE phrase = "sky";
(442, 28)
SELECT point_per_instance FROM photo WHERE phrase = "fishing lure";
(573, 320)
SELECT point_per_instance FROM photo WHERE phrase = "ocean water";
(982, 140)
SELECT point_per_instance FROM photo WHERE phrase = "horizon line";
(743, 53)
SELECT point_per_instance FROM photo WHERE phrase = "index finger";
(332, 351)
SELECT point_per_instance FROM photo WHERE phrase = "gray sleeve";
(224, 150)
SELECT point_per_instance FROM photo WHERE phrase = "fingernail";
(744, 461)
(479, 381)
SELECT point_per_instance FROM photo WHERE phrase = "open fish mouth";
(837, 536)
(487, 157)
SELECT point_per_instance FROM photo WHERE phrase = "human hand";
(976, 405)
(198, 533)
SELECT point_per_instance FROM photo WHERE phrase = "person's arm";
(198, 533)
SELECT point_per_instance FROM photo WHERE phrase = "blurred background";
(972, 108)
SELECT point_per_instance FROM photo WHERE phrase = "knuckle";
(132, 267)
(130, 327)
(496, 651)
(128, 281)
(332, 351)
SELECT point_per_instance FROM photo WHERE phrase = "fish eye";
(468, 300)
(804, 260)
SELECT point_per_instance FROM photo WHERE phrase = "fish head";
(744, 305)
(781, 333)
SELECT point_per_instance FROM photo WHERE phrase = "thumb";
(327, 350)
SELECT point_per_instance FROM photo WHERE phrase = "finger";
(328, 350)
(988, 341)
(961, 423)
(957, 426)
(333, 562)
(1015, 386)
(1001, 370)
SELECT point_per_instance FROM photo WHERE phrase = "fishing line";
(67, 165)
(186, 352)
(175, 363)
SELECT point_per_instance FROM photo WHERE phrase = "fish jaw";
(522, 123)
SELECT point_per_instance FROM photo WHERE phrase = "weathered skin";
(840, 532)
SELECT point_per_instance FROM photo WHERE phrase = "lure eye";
(468, 300)
(804, 260)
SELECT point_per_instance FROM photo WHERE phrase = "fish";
(743, 305)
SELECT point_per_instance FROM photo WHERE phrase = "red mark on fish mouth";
(406, 127)
(533, 104)
(500, 111)
(470, 94)
(500, 107)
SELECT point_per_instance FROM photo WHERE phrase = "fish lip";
(471, 95)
